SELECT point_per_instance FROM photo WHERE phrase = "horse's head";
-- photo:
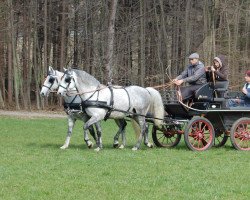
(51, 82)
(67, 82)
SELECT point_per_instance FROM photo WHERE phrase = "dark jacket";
(246, 97)
(194, 74)
(222, 73)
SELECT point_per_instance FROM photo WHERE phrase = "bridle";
(68, 80)
(52, 80)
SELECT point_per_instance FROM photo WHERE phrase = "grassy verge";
(32, 166)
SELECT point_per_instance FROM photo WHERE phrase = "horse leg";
(99, 134)
(121, 123)
(146, 142)
(91, 121)
(71, 123)
(85, 118)
(142, 123)
(92, 132)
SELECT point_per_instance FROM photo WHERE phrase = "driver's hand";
(212, 68)
(178, 82)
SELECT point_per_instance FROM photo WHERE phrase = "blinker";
(51, 80)
(68, 79)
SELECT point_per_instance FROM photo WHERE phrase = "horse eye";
(68, 79)
(51, 80)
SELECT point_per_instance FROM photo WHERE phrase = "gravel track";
(33, 114)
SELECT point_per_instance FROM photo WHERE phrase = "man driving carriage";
(194, 75)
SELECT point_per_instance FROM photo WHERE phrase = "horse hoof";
(97, 149)
(134, 148)
(121, 146)
(90, 145)
(150, 145)
(115, 145)
(63, 147)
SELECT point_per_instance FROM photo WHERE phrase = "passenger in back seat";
(245, 100)
(218, 75)
(220, 71)
(219, 68)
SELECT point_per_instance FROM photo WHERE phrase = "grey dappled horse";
(132, 101)
(51, 83)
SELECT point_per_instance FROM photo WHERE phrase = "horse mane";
(85, 77)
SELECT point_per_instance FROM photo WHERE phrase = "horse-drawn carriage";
(204, 122)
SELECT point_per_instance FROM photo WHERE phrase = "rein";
(100, 87)
(97, 89)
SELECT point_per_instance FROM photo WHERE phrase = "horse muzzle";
(62, 94)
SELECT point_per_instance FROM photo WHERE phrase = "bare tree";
(111, 34)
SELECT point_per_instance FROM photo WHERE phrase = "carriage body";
(205, 122)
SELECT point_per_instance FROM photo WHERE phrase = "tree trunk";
(110, 47)
(62, 47)
(187, 27)
(2, 61)
(10, 67)
(142, 42)
(75, 58)
(14, 55)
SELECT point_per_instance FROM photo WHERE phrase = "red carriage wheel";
(168, 136)
(199, 134)
(240, 134)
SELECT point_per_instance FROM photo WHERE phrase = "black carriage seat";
(212, 92)
(220, 88)
(204, 93)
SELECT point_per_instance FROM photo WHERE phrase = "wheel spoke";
(163, 139)
(204, 142)
(168, 136)
(163, 136)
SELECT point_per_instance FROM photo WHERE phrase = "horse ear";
(70, 70)
(51, 69)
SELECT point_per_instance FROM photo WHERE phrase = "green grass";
(32, 166)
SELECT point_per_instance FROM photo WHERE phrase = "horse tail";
(136, 128)
(156, 106)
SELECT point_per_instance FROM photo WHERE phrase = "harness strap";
(83, 102)
(111, 106)
(129, 102)
(68, 105)
(51, 84)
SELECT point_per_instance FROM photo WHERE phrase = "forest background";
(148, 39)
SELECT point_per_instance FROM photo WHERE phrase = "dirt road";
(33, 114)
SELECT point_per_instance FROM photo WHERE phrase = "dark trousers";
(189, 91)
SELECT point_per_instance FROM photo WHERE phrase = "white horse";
(115, 102)
(74, 111)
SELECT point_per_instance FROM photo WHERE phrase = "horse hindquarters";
(156, 106)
